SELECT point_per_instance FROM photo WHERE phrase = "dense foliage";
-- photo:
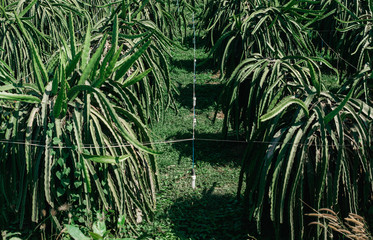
(308, 145)
(79, 83)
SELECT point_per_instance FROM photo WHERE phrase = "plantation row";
(80, 84)
(309, 137)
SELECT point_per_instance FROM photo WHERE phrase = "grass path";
(211, 210)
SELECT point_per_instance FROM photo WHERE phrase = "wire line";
(90, 146)
(160, 142)
(338, 55)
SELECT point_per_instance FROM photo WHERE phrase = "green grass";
(211, 211)
(330, 82)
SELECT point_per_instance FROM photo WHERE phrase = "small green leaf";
(61, 162)
(60, 192)
(75, 233)
(77, 184)
(65, 182)
(121, 221)
(99, 228)
(49, 133)
(56, 141)
(69, 127)
(66, 171)
(95, 236)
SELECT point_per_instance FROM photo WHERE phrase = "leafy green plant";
(271, 29)
(358, 31)
(303, 140)
(313, 147)
(258, 83)
(134, 27)
(350, 23)
(99, 229)
(43, 21)
(75, 135)
(363, 85)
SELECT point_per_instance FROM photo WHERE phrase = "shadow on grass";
(207, 96)
(207, 64)
(201, 42)
(214, 152)
(205, 61)
(213, 216)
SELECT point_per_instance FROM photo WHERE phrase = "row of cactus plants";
(306, 143)
(79, 85)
